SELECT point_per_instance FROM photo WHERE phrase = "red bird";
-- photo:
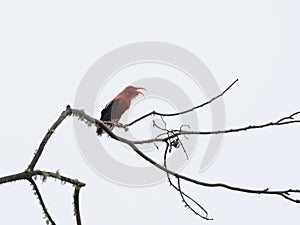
(116, 107)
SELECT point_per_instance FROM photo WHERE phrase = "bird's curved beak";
(139, 92)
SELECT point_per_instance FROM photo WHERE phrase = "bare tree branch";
(170, 137)
(265, 191)
(30, 173)
(76, 205)
(283, 121)
(183, 112)
(39, 152)
(183, 195)
(39, 196)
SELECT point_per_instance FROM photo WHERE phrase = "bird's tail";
(100, 131)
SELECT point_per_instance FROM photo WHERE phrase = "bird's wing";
(115, 109)
(120, 108)
(106, 113)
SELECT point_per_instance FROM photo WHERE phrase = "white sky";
(47, 46)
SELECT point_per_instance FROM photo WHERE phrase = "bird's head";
(131, 92)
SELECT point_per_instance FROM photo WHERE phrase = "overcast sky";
(46, 48)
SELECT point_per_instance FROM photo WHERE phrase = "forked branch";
(169, 137)
(286, 194)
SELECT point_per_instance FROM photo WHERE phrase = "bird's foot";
(117, 124)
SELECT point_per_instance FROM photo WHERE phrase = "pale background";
(47, 46)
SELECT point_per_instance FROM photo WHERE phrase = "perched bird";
(116, 107)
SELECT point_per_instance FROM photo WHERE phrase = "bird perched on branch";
(116, 107)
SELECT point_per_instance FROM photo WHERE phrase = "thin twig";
(183, 112)
(280, 122)
(76, 205)
(39, 152)
(39, 196)
(183, 195)
(176, 142)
